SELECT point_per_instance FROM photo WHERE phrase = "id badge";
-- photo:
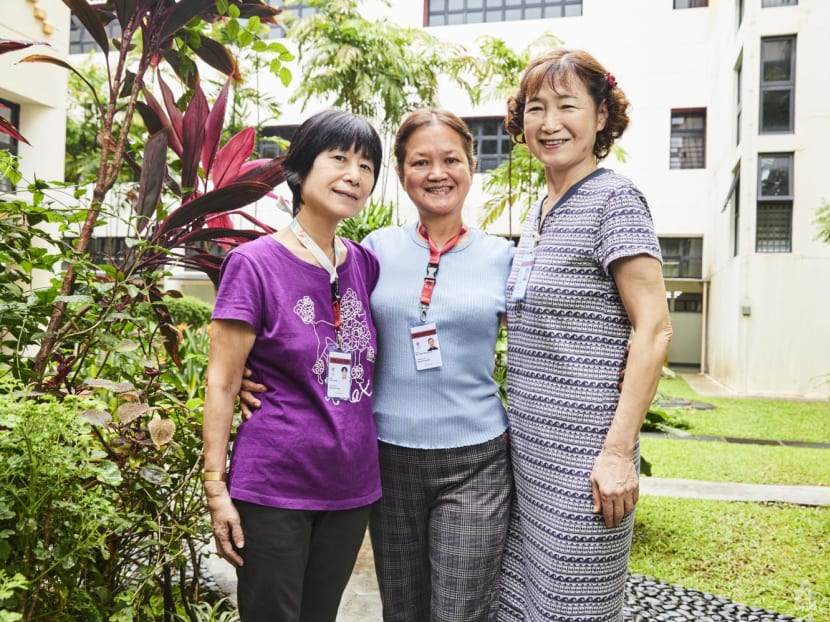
(425, 346)
(339, 381)
(523, 277)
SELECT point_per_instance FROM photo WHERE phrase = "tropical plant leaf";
(152, 177)
(173, 139)
(219, 233)
(193, 137)
(150, 118)
(183, 11)
(173, 113)
(9, 45)
(217, 56)
(90, 20)
(44, 58)
(229, 159)
(124, 10)
(213, 128)
(6, 127)
(231, 197)
(267, 171)
(254, 8)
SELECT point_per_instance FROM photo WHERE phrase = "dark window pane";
(774, 175)
(775, 111)
(442, 12)
(777, 56)
(688, 139)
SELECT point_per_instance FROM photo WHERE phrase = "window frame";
(509, 10)
(7, 142)
(684, 259)
(767, 86)
(685, 114)
(770, 205)
(769, 4)
(81, 42)
(489, 161)
(690, 4)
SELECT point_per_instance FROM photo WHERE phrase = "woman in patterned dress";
(587, 271)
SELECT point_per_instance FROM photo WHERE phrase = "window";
(492, 143)
(774, 222)
(450, 12)
(10, 112)
(734, 198)
(738, 101)
(768, 3)
(297, 11)
(690, 4)
(685, 302)
(777, 84)
(682, 257)
(274, 140)
(81, 42)
(688, 139)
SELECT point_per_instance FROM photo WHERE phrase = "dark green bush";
(57, 509)
(188, 310)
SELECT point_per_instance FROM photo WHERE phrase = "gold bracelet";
(213, 476)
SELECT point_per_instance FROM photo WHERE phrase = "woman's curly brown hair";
(558, 67)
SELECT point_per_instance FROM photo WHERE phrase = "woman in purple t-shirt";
(291, 510)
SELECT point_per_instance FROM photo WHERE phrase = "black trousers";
(296, 563)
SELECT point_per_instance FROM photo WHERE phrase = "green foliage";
(57, 509)
(374, 216)
(823, 222)
(516, 182)
(188, 310)
(500, 368)
(373, 68)
(26, 250)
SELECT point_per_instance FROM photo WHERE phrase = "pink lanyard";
(432, 267)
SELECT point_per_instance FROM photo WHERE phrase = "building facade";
(729, 123)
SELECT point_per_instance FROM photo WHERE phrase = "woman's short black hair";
(326, 130)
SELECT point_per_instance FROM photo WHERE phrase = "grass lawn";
(752, 418)
(774, 556)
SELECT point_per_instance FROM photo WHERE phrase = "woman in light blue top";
(439, 530)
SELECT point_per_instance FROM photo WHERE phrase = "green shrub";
(188, 310)
(58, 510)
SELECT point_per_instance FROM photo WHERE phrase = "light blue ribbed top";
(457, 404)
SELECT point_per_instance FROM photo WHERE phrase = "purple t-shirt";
(301, 449)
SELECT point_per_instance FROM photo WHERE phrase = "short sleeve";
(240, 292)
(626, 229)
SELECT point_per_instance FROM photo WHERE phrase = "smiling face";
(436, 173)
(561, 125)
(338, 183)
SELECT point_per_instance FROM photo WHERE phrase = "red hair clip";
(612, 81)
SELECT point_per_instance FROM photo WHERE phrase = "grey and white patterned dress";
(566, 345)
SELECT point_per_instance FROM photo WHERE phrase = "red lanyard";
(432, 267)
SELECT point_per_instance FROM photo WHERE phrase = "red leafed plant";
(212, 182)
